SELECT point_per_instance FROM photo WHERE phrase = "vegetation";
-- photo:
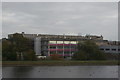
(56, 57)
(21, 48)
(29, 55)
(17, 48)
(8, 52)
(58, 63)
(88, 50)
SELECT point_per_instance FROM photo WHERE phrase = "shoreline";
(59, 63)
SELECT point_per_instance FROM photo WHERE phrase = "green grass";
(57, 63)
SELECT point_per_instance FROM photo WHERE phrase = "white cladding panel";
(37, 45)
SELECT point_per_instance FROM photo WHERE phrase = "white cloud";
(61, 18)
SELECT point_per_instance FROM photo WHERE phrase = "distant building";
(110, 49)
(66, 45)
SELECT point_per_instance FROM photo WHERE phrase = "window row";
(63, 42)
(61, 47)
(107, 49)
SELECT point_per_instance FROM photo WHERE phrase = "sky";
(70, 18)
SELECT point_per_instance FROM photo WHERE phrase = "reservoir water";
(61, 72)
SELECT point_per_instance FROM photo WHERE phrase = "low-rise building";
(66, 45)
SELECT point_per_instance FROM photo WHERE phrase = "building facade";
(110, 48)
(66, 45)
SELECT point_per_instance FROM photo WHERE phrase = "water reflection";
(16, 72)
(22, 71)
(61, 72)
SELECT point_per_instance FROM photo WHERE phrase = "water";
(61, 72)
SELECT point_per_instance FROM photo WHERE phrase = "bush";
(56, 57)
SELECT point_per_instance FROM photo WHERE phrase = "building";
(63, 45)
(66, 45)
(110, 49)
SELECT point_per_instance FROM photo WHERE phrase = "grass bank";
(58, 63)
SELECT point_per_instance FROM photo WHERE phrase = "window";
(66, 47)
(60, 52)
(52, 47)
(113, 49)
(107, 49)
(66, 42)
(52, 42)
(73, 47)
(67, 52)
(60, 47)
(59, 42)
(52, 52)
(118, 49)
(102, 49)
(73, 42)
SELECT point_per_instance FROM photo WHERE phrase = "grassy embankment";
(58, 63)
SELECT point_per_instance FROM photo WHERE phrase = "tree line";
(17, 47)
(88, 50)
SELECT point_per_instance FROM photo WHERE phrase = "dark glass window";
(101, 49)
(66, 47)
(67, 52)
(60, 52)
(52, 52)
(107, 49)
(118, 49)
(113, 49)
(52, 47)
(60, 47)
(73, 47)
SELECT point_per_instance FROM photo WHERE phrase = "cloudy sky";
(95, 18)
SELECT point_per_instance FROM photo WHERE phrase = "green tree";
(17, 48)
(29, 55)
(88, 50)
(8, 52)
(20, 45)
